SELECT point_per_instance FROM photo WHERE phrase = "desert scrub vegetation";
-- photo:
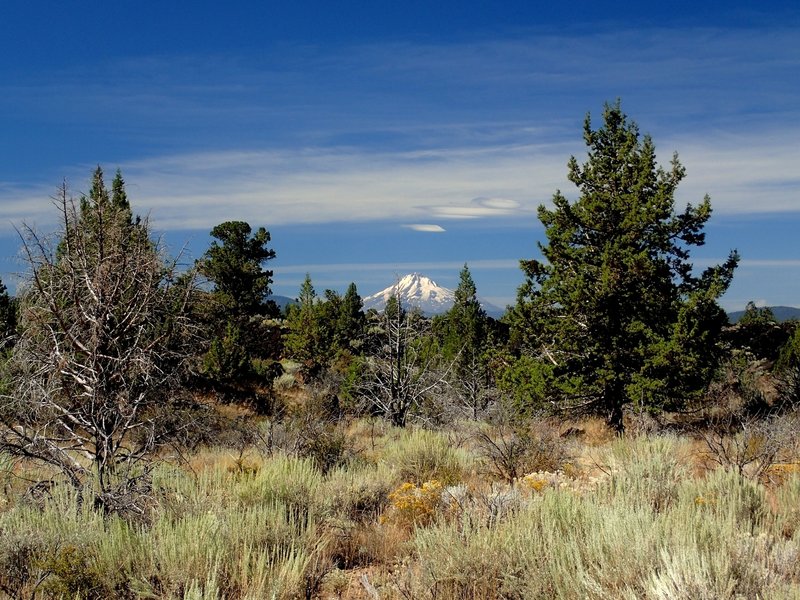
(165, 432)
(417, 517)
(717, 539)
(206, 536)
(421, 455)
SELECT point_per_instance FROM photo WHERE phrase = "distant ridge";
(282, 301)
(424, 293)
(782, 313)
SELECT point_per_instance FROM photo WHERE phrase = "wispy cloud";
(425, 227)
(417, 132)
(743, 174)
(771, 263)
(343, 184)
(478, 207)
(748, 173)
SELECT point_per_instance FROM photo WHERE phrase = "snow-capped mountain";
(414, 290)
(421, 292)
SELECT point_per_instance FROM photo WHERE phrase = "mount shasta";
(423, 293)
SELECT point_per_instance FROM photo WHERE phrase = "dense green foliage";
(235, 267)
(465, 324)
(304, 338)
(759, 333)
(320, 331)
(615, 306)
(233, 312)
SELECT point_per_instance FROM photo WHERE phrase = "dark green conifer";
(614, 307)
(235, 266)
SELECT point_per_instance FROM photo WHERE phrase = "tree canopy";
(615, 311)
(320, 329)
(303, 339)
(235, 266)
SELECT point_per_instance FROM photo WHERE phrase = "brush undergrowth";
(412, 519)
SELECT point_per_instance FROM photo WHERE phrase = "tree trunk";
(614, 401)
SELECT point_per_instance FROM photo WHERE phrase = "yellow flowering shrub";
(780, 472)
(535, 482)
(412, 506)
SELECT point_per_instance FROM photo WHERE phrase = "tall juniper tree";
(615, 310)
(234, 263)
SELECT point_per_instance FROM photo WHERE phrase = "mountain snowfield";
(421, 292)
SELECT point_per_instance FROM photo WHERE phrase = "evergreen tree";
(465, 342)
(753, 315)
(614, 308)
(100, 211)
(302, 341)
(233, 311)
(103, 341)
(236, 268)
(350, 320)
(119, 197)
(466, 320)
(227, 359)
(319, 329)
(758, 332)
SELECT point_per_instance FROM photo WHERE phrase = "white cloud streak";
(425, 227)
(743, 174)
(340, 184)
(432, 147)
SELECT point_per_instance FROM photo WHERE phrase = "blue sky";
(377, 138)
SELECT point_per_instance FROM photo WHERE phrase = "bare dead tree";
(103, 336)
(403, 372)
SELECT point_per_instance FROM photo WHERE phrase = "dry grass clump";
(612, 543)
(549, 548)
(786, 507)
(591, 431)
(647, 469)
(420, 455)
(353, 501)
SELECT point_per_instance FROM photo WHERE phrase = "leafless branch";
(103, 335)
